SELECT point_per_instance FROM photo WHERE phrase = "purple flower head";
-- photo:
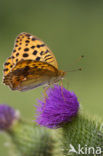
(59, 107)
(7, 116)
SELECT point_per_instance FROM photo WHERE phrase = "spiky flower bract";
(7, 117)
(85, 134)
(59, 107)
(31, 140)
(27, 139)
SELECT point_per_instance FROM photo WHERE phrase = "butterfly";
(31, 64)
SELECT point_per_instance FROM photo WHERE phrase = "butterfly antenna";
(78, 60)
(78, 69)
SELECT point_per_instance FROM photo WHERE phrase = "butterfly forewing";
(8, 65)
(29, 47)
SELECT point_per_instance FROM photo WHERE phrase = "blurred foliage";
(70, 28)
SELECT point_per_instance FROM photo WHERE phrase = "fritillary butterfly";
(31, 64)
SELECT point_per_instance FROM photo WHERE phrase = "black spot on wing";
(19, 48)
(6, 69)
(47, 51)
(32, 47)
(26, 68)
(33, 39)
(16, 45)
(38, 59)
(14, 51)
(41, 53)
(40, 45)
(28, 35)
(48, 58)
(7, 63)
(25, 55)
(12, 57)
(26, 49)
(17, 54)
(16, 60)
(35, 52)
(27, 41)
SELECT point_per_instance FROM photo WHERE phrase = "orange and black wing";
(29, 47)
(28, 74)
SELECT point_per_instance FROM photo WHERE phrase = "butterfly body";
(39, 68)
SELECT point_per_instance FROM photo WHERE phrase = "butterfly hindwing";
(28, 73)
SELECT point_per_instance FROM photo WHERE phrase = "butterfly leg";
(62, 90)
(45, 95)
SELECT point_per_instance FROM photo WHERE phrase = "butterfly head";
(62, 73)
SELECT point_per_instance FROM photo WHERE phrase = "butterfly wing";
(8, 65)
(28, 74)
(28, 47)
(31, 64)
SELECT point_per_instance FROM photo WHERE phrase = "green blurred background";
(70, 28)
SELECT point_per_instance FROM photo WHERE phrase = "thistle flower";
(59, 107)
(7, 117)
